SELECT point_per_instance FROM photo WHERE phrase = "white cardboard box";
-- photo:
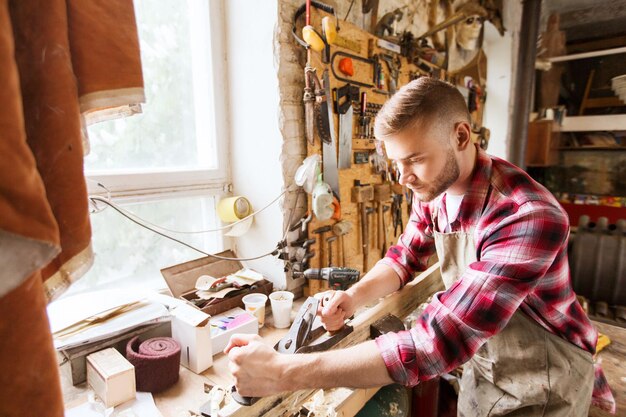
(111, 376)
(224, 325)
(191, 329)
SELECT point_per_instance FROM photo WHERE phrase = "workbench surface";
(613, 359)
(187, 395)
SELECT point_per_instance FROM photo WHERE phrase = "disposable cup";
(255, 304)
(282, 301)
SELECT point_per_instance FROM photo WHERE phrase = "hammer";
(369, 211)
(384, 248)
(382, 194)
(341, 229)
(329, 241)
(314, 286)
(361, 194)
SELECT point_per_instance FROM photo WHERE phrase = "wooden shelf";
(592, 148)
(594, 123)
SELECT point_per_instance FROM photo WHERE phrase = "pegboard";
(348, 252)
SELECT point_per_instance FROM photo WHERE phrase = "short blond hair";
(425, 99)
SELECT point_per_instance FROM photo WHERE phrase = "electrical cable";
(219, 229)
(349, 10)
(138, 222)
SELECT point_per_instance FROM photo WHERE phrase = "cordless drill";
(338, 278)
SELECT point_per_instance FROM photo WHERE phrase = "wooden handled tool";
(361, 194)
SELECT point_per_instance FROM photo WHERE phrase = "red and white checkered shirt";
(521, 235)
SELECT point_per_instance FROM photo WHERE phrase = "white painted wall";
(255, 138)
(499, 74)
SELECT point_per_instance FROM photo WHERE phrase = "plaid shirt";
(521, 235)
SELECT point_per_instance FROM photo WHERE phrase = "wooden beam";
(595, 45)
(400, 304)
(608, 11)
(583, 55)
(599, 102)
(594, 123)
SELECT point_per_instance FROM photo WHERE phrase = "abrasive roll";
(156, 362)
(231, 209)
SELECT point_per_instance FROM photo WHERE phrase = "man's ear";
(463, 135)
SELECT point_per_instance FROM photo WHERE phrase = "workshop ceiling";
(588, 19)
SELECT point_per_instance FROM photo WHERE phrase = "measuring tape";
(232, 209)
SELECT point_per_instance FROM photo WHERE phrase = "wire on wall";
(162, 231)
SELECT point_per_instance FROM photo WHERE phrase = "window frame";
(154, 184)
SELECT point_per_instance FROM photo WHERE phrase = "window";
(167, 164)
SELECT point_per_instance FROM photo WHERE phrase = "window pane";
(127, 255)
(173, 132)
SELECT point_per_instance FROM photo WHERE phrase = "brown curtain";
(63, 63)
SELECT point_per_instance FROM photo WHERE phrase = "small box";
(191, 329)
(181, 280)
(111, 376)
(224, 325)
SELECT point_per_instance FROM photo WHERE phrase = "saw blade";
(322, 122)
(345, 139)
(329, 151)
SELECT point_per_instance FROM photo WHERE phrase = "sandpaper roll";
(156, 362)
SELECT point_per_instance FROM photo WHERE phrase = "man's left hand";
(257, 368)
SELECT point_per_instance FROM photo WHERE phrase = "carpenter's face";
(424, 156)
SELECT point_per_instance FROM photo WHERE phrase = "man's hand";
(256, 367)
(335, 307)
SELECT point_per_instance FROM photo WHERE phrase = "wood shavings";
(394, 409)
(319, 407)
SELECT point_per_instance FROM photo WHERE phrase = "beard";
(448, 175)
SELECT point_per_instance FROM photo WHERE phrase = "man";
(508, 312)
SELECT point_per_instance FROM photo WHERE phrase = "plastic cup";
(255, 304)
(282, 301)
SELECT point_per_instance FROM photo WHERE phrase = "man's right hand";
(335, 307)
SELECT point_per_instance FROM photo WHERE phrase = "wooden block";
(397, 188)
(382, 192)
(362, 194)
(111, 376)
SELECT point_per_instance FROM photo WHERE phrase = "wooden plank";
(595, 45)
(593, 123)
(584, 55)
(346, 402)
(599, 102)
(613, 359)
(580, 16)
(400, 304)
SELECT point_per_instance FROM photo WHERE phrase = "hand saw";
(329, 148)
(343, 105)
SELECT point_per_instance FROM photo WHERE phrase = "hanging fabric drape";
(63, 63)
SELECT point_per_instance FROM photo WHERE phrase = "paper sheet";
(142, 406)
(70, 310)
(150, 313)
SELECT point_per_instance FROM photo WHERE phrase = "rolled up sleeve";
(514, 256)
(415, 246)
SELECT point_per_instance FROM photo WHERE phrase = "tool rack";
(362, 147)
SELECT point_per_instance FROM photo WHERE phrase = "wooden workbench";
(188, 394)
(613, 359)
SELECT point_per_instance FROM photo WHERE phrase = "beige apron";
(524, 370)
